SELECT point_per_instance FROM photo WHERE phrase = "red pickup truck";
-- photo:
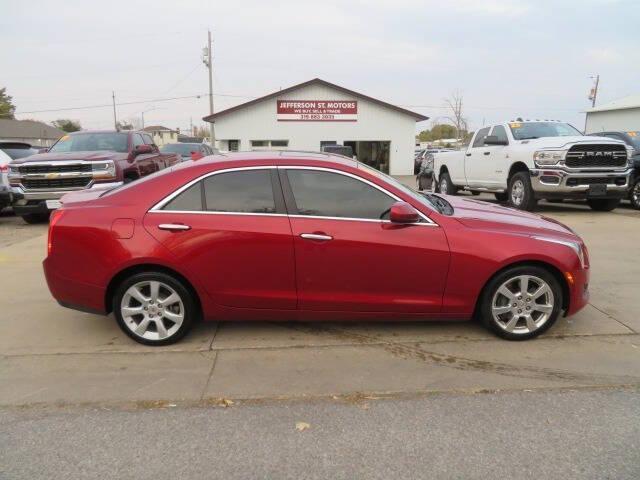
(80, 161)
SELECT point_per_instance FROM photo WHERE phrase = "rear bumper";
(557, 183)
(73, 294)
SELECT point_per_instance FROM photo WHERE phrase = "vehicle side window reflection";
(479, 140)
(248, 191)
(500, 132)
(188, 201)
(327, 194)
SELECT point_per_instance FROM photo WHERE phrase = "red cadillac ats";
(305, 236)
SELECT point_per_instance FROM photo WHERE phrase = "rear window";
(183, 149)
(18, 152)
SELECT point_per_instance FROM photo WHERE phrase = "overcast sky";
(507, 58)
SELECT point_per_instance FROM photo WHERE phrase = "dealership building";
(312, 114)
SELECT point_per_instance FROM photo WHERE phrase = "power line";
(151, 100)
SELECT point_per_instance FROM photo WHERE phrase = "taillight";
(55, 218)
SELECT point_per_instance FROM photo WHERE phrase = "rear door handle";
(174, 227)
(316, 236)
(487, 153)
(468, 154)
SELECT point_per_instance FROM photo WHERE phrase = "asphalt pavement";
(527, 435)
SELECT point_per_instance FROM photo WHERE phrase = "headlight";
(103, 170)
(630, 153)
(575, 246)
(548, 157)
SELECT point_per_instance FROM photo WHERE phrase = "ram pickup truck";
(80, 161)
(525, 161)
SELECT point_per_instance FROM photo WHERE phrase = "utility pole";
(206, 58)
(594, 92)
(115, 120)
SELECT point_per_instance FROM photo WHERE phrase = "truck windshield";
(529, 130)
(91, 142)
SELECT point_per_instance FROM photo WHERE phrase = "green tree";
(67, 125)
(7, 108)
(437, 132)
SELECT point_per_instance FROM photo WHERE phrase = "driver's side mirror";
(140, 149)
(494, 140)
(402, 212)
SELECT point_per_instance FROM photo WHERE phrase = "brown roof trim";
(419, 117)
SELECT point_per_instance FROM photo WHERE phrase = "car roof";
(280, 157)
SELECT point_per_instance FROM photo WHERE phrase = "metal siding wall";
(628, 119)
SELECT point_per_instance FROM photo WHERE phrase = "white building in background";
(619, 115)
(162, 135)
(312, 114)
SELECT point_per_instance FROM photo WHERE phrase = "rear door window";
(478, 141)
(247, 191)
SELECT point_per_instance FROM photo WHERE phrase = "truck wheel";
(501, 197)
(635, 195)
(475, 193)
(446, 187)
(34, 218)
(603, 204)
(521, 302)
(520, 192)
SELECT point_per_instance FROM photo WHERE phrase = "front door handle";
(316, 236)
(487, 153)
(174, 227)
(468, 154)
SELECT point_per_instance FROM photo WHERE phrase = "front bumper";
(33, 201)
(558, 183)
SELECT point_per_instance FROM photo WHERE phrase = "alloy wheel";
(444, 186)
(152, 310)
(522, 304)
(517, 192)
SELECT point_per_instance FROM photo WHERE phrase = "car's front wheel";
(445, 186)
(154, 308)
(520, 192)
(634, 197)
(521, 302)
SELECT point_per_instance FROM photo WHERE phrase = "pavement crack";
(206, 385)
(613, 318)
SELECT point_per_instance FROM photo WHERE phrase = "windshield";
(91, 142)
(528, 130)
(426, 200)
(183, 149)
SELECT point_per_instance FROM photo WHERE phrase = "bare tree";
(454, 102)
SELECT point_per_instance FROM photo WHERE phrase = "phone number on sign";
(317, 117)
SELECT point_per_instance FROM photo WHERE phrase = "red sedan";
(304, 236)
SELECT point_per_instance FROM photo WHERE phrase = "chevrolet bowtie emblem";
(51, 175)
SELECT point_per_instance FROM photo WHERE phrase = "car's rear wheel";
(521, 302)
(634, 197)
(34, 218)
(603, 204)
(520, 192)
(154, 308)
(445, 186)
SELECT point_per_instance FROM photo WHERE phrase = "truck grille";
(56, 183)
(594, 155)
(80, 167)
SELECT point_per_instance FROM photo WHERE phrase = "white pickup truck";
(524, 161)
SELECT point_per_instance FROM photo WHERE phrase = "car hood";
(67, 156)
(566, 142)
(477, 214)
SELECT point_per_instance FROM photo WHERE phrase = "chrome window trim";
(157, 208)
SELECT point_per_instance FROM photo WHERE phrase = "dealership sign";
(317, 111)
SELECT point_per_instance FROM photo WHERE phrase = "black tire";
(35, 218)
(128, 180)
(524, 200)
(475, 193)
(501, 197)
(445, 186)
(424, 183)
(603, 204)
(190, 312)
(490, 290)
(634, 194)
